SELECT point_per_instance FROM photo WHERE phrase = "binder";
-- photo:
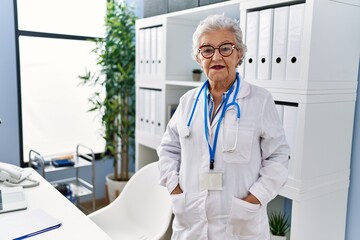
(265, 43)
(160, 51)
(147, 99)
(141, 109)
(159, 115)
(153, 50)
(147, 51)
(141, 50)
(152, 110)
(293, 61)
(289, 124)
(252, 27)
(280, 36)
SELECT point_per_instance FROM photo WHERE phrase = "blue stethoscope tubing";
(212, 149)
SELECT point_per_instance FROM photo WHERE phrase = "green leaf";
(278, 223)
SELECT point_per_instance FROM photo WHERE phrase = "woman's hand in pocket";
(251, 199)
(177, 190)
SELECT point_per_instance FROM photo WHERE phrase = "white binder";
(289, 124)
(147, 108)
(159, 115)
(141, 50)
(252, 27)
(153, 51)
(147, 51)
(160, 50)
(152, 110)
(265, 44)
(293, 61)
(280, 36)
(141, 109)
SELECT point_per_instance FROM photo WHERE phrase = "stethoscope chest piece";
(185, 132)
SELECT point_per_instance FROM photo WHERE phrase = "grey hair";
(214, 23)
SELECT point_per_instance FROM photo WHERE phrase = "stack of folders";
(27, 224)
(274, 38)
(150, 111)
(150, 51)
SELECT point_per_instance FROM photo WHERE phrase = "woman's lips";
(217, 67)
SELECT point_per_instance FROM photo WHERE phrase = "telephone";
(12, 175)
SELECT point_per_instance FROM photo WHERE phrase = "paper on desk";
(27, 224)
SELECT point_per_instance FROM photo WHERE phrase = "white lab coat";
(258, 165)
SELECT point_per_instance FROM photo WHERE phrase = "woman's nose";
(217, 55)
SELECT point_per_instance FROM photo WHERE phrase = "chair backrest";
(143, 202)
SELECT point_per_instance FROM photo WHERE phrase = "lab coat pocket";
(237, 144)
(244, 219)
(188, 209)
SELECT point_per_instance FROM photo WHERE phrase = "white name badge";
(211, 181)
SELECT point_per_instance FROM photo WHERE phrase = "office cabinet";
(312, 60)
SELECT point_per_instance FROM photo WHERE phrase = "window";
(53, 52)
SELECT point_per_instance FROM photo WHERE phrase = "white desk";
(75, 224)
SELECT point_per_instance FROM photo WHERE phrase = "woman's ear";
(198, 60)
(240, 56)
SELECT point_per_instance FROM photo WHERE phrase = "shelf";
(157, 84)
(148, 139)
(308, 189)
(78, 164)
(79, 187)
(199, 13)
(260, 4)
(184, 83)
(312, 87)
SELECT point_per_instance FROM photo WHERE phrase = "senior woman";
(224, 155)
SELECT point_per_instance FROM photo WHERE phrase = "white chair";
(142, 211)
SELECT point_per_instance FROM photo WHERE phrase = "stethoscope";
(212, 149)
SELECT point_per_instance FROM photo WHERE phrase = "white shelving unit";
(324, 96)
(83, 157)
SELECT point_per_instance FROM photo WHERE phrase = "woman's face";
(218, 68)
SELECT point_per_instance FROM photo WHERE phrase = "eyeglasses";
(225, 50)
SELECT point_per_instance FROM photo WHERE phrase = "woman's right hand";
(177, 190)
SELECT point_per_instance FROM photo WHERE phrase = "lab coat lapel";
(243, 92)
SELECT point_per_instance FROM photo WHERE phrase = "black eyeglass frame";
(218, 48)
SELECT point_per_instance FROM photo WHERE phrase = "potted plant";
(196, 74)
(279, 225)
(115, 100)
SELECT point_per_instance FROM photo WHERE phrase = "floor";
(86, 207)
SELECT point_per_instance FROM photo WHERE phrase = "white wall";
(353, 212)
(9, 129)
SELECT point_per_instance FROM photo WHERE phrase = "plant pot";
(196, 77)
(273, 237)
(113, 188)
